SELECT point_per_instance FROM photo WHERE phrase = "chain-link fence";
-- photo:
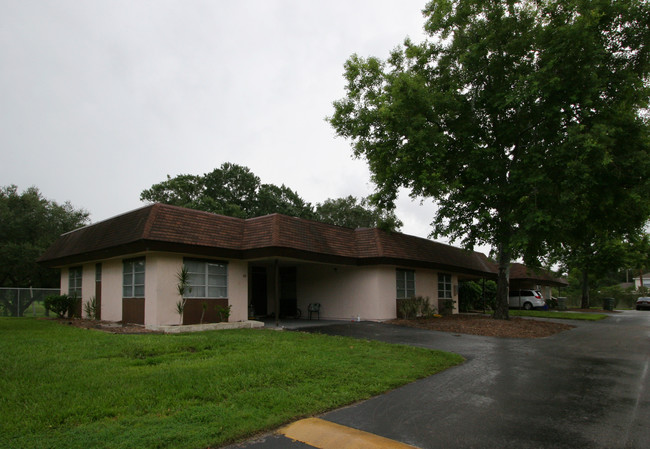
(25, 301)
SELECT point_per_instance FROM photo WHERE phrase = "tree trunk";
(503, 285)
(585, 289)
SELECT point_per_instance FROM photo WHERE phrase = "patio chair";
(314, 308)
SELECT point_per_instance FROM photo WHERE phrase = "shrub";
(471, 295)
(418, 306)
(61, 305)
(447, 306)
(224, 312)
(406, 308)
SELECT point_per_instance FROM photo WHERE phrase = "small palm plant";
(183, 287)
(205, 307)
(90, 307)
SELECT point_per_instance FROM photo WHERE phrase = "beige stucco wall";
(112, 290)
(347, 292)
(367, 292)
(160, 288)
(64, 281)
(161, 295)
(454, 283)
(111, 306)
(87, 285)
(426, 285)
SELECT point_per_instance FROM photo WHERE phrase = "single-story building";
(523, 277)
(259, 266)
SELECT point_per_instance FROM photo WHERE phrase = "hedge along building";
(260, 266)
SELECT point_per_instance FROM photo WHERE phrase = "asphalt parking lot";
(583, 388)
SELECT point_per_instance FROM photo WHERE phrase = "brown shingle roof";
(521, 272)
(170, 228)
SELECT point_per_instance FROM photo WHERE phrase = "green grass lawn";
(560, 315)
(66, 387)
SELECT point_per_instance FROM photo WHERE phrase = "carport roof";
(160, 227)
(521, 272)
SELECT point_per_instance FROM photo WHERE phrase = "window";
(405, 284)
(444, 286)
(98, 272)
(133, 278)
(207, 279)
(74, 281)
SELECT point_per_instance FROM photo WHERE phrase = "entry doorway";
(288, 293)
(259, 291)
(287, 289)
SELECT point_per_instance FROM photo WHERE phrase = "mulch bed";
(105, 326)
(487, 326)
(472, 324)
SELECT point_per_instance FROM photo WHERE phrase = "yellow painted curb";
(328, 435)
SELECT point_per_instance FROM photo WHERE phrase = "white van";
(526, 299)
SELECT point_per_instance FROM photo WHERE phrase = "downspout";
(277, 292)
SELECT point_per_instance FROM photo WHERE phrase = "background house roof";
(521, 272)
(161, 227)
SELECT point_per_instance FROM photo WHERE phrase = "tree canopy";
(353, 213)
(29, 224)
(515, 116)
(231, 190)
(235, 191)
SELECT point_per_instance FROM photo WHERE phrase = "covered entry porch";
(282, 289)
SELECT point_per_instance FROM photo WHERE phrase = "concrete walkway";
(285, 324)
(585, 388)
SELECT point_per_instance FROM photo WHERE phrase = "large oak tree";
(234, 190)
(506, 106)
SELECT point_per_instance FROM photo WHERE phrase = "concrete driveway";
(583, 388)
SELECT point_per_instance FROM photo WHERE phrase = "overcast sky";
(101, 99)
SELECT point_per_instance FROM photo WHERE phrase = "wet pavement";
(584, 388)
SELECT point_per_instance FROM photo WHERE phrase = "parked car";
(526, 299)
(643, 303)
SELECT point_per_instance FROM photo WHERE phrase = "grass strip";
(65, 387)
(559, 315)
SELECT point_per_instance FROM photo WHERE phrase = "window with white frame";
(444, 286)
(207, 279)
(133, 278)
(405, 283)
(74, 281)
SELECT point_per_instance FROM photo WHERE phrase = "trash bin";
(561, 303)
(608, 303)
